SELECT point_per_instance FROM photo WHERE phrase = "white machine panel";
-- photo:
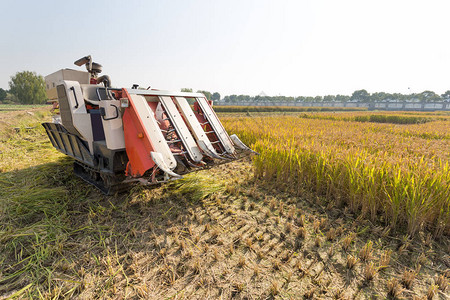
(152, 130)
(80, 118)
(181, 128)
(112, 124)
(194, 125)
(55, 79)
(216, 125)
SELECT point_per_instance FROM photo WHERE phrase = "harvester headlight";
(124, 102)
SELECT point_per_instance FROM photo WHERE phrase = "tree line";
(357, 96)
(29, 88)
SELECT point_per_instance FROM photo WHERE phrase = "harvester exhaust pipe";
(105, 79)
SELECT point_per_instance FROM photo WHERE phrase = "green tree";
(446, 95)
(206, 93)
(186, 90)
(28, 87)
(429, 96)
(380, 96)
(318, 99)
(329, 98)
(360, 95)
(232, 98)
(215, 96)
(2, 94)
(342, 98)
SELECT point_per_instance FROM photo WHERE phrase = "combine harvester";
(120, 136)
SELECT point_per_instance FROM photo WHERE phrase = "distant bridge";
(399, 106)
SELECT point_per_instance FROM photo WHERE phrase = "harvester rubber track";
(108, 183)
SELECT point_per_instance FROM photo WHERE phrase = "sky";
(290, 48)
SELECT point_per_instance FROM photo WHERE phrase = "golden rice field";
(397, 174)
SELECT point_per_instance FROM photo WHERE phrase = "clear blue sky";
(236, 47)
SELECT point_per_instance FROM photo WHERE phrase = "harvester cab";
(120, 136)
